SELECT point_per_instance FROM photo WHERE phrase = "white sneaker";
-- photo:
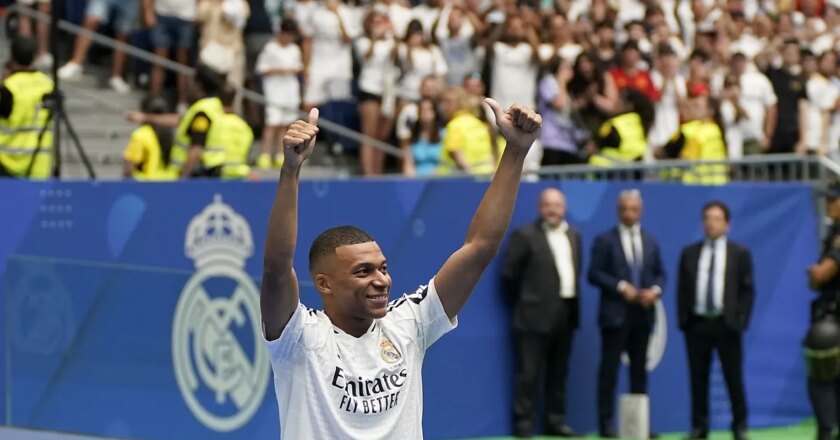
(44, 62)
(70, 70)
(119, 85)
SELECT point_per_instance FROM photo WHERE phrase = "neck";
(355, 327)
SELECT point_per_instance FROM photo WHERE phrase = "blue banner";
(127, 314)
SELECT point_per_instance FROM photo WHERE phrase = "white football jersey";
(331, 385)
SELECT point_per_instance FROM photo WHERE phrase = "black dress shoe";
(697, 434)
(562, 431)
(607, 432)
(740, 435)
(522, 430)
(653, 435)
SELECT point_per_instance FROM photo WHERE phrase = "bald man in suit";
(541, 276)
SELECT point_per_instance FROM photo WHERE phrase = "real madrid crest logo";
(221, 364)
(388, 352)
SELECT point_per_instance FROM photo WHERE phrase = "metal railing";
(761, 168)
(173, 66)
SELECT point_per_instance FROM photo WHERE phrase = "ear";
(323, 284)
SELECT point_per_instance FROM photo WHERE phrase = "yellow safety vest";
(211, 157)
(633, 140)
(19, 133)
(144, 149)
(704, 141)
(469, 135)
(236, 138)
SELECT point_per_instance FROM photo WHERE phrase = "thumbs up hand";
(299, 140)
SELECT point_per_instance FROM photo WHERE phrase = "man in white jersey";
(353, 371)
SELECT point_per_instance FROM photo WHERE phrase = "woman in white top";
(376, 53)
(515, 64)
(417, 59)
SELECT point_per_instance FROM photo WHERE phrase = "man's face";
(356, 282)
(629, 210)
(474, 86)
(552, 207)
(715, 224)
(790, 54)
(630, 58)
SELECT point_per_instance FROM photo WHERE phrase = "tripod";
(56, 113)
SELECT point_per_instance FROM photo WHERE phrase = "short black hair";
(327, 242)
(210, 80)
(717, 204)
(290, 26)
(23, 51)
(228, 95)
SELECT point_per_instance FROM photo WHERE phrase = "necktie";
(710, 282)
(637, 263)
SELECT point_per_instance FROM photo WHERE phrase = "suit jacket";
(738, 290)
(609, 267)
(531, 280)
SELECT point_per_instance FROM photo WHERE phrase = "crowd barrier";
(125, 314)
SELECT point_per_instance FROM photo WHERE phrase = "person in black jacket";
(715, 301)
(541, 275)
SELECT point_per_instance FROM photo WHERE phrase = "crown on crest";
(218, 235)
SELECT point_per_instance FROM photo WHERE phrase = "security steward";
(822, 343)
(24, 118)
(235, 137)
(196, 152)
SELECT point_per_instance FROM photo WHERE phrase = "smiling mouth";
(378, 297)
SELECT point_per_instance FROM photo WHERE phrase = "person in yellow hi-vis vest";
(148, 154)
(235, 136)
(195, 153)
(700, 138)
(467, 145)
(623, 138)
(24, 119)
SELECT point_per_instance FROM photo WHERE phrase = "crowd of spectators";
(615, 80)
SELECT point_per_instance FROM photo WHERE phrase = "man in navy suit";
(627, 267)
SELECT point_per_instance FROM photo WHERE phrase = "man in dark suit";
(541, 276)
(715, 301)
(627, 267)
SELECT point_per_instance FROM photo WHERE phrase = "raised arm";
(459, 275)
(279, 295)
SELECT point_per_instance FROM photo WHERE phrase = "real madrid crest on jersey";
(388, 352)
(221, 364)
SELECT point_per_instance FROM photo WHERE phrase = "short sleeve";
(263, 60)
(135, 151)
(441, 66)
(406, 120)
(453, 138)
(300, 334)
(768, 94)
(425, 308)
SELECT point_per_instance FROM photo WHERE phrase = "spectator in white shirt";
(672, 86)
(515, 56)
(417, 58)
(456, 33)
(758, 99)
(376, 52)
(327, 54)
(559, 41)
(822, 99)
(280, 63)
